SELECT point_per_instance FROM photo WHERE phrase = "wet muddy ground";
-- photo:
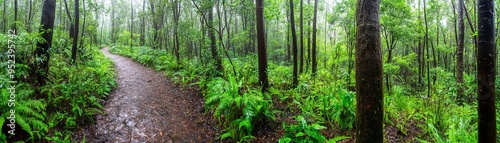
(146, 107)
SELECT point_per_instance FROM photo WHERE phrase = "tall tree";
(143, 24)
(42, 49)
(131, 23)
(15, 16)
(30, 17)
(486, 62)
(460, 51)
(75, 32)
(259, 14)
(176, 8)
(301, 36)
(4, 22)
(314, 60)
(72, 25)
(369, 88)
(294, 45)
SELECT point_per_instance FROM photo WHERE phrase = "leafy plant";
(302, 132)
(239, 113)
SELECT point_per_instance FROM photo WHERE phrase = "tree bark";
(75, 32)
(294, 45)
(261, 42)
(213, 42)
(14, 26)
(486, 62)
(460, 51)
(143, 24)
(369, 86)
(42, 49)
(83, 26)
(314, 60)
(131, 24)
(301, 67)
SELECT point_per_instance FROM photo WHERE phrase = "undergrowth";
(73, 94)
(319, 104)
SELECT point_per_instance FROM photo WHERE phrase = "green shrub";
(302, 132)
(238, 112)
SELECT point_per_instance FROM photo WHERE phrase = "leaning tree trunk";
(42, 49)
(486, 62)
(261, 41)
(369, 87)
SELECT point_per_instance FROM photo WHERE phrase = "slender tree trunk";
(486, 61)
(369, 86)
(154, 43)
(75, 38)
(213, 42)
(83, 25)
(301, 36)
(143, 25)
(259, 13)
(426, 44)
(14, 26)
(30, 15)
(288, 57)
(460, 51)
(314, 60)
(42, 49)
(294, 45)
(113, 38)
(4, 22)
(131, 24)
(72, 25)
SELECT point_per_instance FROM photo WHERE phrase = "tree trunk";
(301, 36)
(314, 60)
(30, 15)
(14, 26)
(143, 25)
(75, 32)
(72, 25)
(42, 49)
(4, 19)
(486, 62)
(294, 45)
(113, 38)
(369, 86)
(83, 26)
(259, 13)
(213, 42)
(426, 45)
(460, 51)
(131, 24)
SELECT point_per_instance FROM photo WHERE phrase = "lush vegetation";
(430, 66)
(73, 95)
(241, 108)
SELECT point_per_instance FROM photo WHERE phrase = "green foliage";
(80, 95)
(302, 132)
(239, 112)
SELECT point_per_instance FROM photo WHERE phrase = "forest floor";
(147, 107)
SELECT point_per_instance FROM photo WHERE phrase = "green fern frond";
(20, 120)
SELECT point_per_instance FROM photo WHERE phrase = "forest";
(249, 71)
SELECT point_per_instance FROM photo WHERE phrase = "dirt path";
(146, 107)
